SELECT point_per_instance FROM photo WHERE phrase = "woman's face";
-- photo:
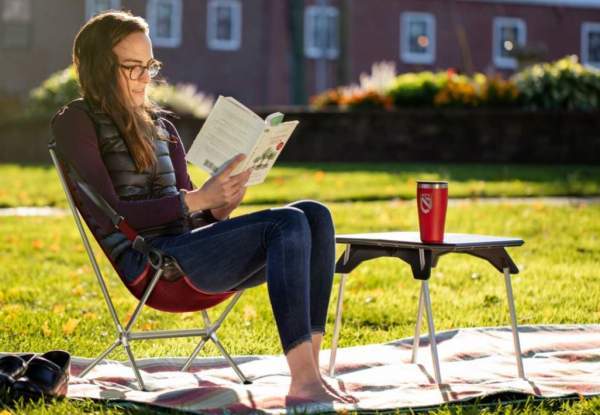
(134, 50)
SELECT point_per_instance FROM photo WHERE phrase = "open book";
(231, 129)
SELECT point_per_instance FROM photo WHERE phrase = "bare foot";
(342, 395)
(311, 392)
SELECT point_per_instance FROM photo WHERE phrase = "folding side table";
(421, 257)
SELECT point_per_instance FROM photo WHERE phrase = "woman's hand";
(224, 212)
(220, 192)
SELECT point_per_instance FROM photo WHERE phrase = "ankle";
(305, 387)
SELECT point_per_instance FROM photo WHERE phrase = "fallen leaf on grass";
(46, 330)
(69, 326)
(90, 316)
(249, 312)
(78, 290)
(319, 175)
(12, 309)
(58, 309)
(148, 326)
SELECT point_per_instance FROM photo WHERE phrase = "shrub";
(458, 91)
(416, 89)
(59, 89)
(327, 99)
(360, 99)
(62, 87)
(498, 92)
(351, 98)
(371, 93)
(182, 99)
(477, 91)
(380, 79)
(564, 84)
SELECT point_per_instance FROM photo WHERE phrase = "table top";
(413, 240)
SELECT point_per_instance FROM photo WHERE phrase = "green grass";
(49, 298)
(39, 186)
(528, 407)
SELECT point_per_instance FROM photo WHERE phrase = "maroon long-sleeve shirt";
(76, 140)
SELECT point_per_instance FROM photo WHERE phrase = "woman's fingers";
(226, 173)
(237, 181)
(242, 177)
(226, 189)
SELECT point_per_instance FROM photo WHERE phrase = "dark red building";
(273, 52)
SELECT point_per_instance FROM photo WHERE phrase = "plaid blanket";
(559, 360)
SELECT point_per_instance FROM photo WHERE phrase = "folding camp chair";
(148, 287)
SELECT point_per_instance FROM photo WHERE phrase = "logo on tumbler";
(425, 203)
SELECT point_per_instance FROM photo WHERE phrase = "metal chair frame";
(125, 333)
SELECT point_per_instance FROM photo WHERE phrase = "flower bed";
(561, 85)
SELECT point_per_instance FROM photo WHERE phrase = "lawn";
(49, 298)
(337, 182)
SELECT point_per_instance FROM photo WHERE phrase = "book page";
(230, 129)
(267, 149)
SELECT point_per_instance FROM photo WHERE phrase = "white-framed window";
(590, 44)
(164, 19)
(321, 32)
(224, 24)
(509, 34)
(15, 30)
(93, 7)
(417, 37)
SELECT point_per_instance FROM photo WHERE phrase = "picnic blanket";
(559, 360)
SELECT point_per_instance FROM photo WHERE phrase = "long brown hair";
(97, 67)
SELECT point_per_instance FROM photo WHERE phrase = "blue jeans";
(292, 248)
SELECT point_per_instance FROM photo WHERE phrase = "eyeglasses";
(137, 71)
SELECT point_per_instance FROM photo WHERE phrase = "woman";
(117, 141)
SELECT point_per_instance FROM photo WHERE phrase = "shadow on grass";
(465, 171)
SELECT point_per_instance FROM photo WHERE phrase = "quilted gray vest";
(129, 184)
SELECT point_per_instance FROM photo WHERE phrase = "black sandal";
(11, 368)
(46, 375)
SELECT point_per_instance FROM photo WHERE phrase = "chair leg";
(210, 329)
(136, 371)
(416, 339)
(210, 334)
(197, 350)
(213, 336)
(99, 358)
(513, 321)
(202, 342)
(432, 343)
(229, 359)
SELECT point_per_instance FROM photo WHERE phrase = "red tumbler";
(432, 200)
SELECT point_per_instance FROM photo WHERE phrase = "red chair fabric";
(174, 296)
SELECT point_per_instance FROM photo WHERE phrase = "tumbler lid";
(422, 184)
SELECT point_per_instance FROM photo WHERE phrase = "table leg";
(513, 320)
(338, 317)
(416, 341)
(336, 327)
(432, 344)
